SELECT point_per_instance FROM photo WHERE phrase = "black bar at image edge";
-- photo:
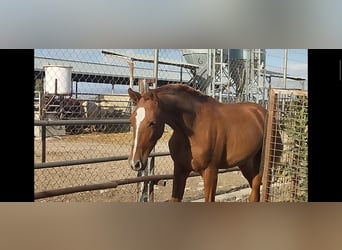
(324, 91)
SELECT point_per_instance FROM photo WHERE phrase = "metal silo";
(227, 74)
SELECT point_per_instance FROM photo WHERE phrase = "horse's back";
(244, 114)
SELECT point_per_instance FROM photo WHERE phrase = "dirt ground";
(96, 145)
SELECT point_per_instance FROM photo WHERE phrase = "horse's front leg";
(179, 180)
(209, 176)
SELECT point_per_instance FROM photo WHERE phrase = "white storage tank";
(57, 80)
(196, 56)
(200, 56)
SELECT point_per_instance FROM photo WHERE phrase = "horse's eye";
(153, 123)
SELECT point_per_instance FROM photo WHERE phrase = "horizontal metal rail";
(90, 161)
(80, 122)
(113, 184)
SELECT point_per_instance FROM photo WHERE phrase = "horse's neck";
(179, 112)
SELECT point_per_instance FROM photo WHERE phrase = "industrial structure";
(228, 75)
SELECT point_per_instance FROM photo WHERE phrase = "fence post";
(266, 148)
(146, 190)
(152, 159)
(43, 143)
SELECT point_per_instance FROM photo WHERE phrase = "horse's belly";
(239, 154)
(198, 156)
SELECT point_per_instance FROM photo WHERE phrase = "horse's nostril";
(136, 165)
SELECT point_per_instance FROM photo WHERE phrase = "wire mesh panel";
(286, 147)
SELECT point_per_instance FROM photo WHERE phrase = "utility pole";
(285, 68)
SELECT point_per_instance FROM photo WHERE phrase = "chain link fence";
(91, 86)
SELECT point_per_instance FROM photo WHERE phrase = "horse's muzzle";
(137, 165)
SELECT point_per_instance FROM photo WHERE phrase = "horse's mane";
(175, 89)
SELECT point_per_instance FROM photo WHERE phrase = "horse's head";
(148, 127)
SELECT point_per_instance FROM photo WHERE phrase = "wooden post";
(143, 86)
(266, 148)
(131, 75)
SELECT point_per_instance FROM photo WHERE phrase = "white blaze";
(138, 119)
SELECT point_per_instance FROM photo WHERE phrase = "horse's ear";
(135, 96)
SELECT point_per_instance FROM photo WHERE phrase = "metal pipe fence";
(154, 180)
(48, 167)
(62, 162)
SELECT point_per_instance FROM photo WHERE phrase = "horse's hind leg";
(255, 193)
(250, 171)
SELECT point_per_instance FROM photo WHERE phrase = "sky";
(297, 63)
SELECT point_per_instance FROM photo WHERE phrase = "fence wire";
(90, 85)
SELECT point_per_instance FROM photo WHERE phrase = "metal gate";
(285, 164)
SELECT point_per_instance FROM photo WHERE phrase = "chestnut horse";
(207, 136)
